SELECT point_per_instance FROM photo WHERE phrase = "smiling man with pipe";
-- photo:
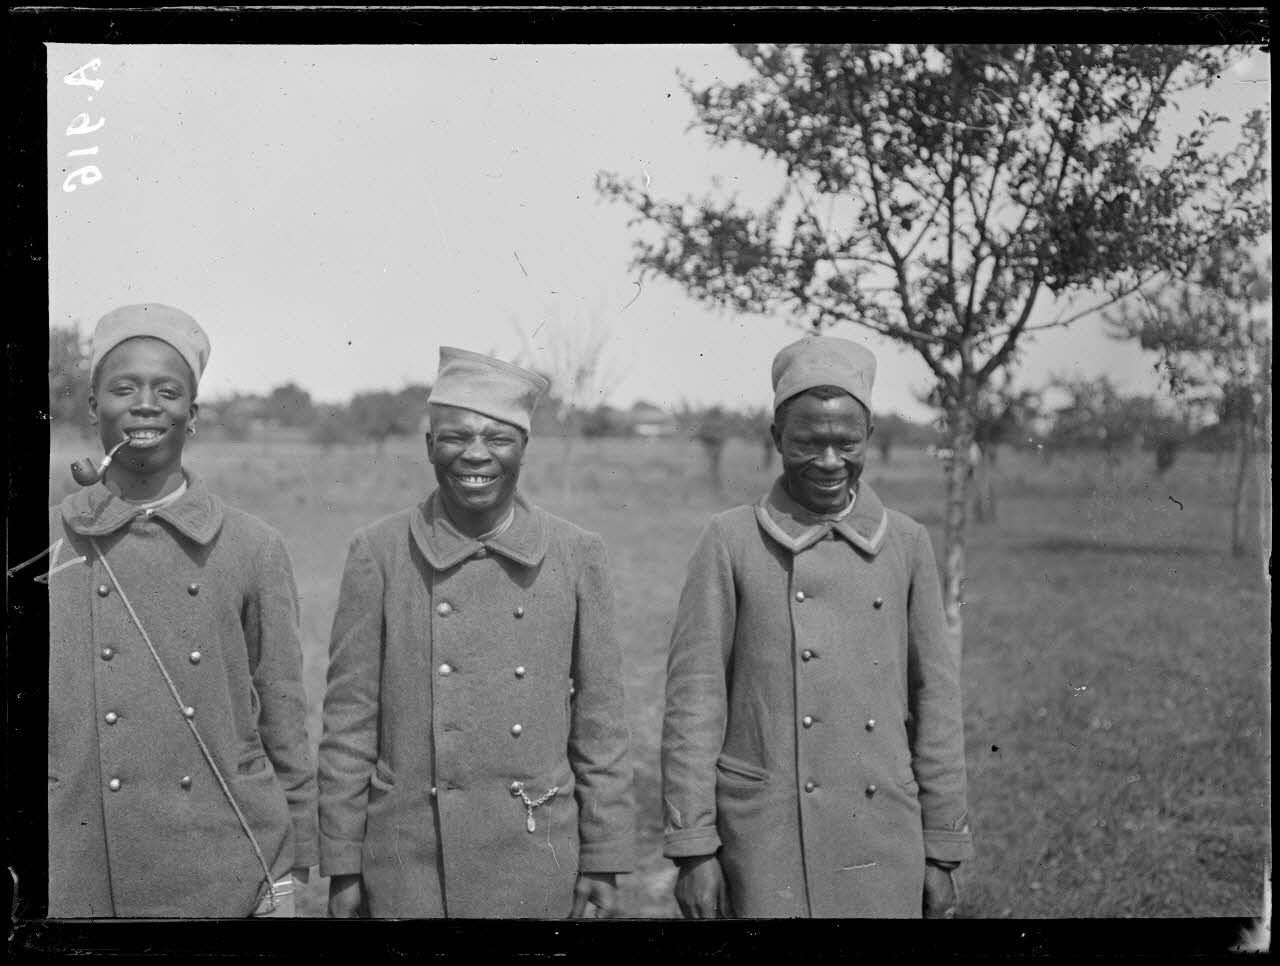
(180, 778)
(813, 745)
(474, 761)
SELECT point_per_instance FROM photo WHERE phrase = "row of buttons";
(104, 590)
(871, 789)
(808, 721)
(108, 653)
(801, 597)
(447, 669)
(444, 609)
(116, 784)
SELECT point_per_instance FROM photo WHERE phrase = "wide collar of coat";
(798, 529)
(95, 511)
(445, 546)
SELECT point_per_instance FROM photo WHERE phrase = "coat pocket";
(737, 771)
(382, 778)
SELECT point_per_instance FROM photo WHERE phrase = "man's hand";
(346, 897)
(939, 893)
(701, 890)
(598, 889)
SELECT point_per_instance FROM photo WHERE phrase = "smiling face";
(823, 444)
(477, 462)
(143, 391)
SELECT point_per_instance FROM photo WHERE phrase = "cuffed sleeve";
(696, 700)
(348, 746)
(599, 739)
(937, 745)
(275, 650)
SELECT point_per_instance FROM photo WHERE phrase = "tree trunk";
(1262, 465)
(984, 497)
(566, 463)
(960, 429)
(1238, 503)
(714, 450)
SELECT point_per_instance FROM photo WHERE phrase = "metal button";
(434, 791)
(194, 657)
(572, 690)
(516, 788)
(871, 724)
(809, 786)
(516, 729)
(446, 669)
(188, 712)
(520, 671)
(807, 721)
(193, 589)
(108, 654)
(185, 781)
(800, 595)
(444, 609)
(519, 612)
(114, 784)
(111, 717)
(871, 790)
(878, 603)
(103, 590)
(806, 655)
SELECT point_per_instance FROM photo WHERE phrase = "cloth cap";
(152, 321)
(488, 386)
(823, 360)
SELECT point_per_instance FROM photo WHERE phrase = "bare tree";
(574, 354)
(1212, 336)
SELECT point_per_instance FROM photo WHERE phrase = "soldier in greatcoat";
(180, 776)
(475, 759)
(813, 746)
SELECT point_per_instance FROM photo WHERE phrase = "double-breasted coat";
(475, 750)
(813, 731)
(138, 823)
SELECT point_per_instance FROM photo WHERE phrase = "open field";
(1116, 656)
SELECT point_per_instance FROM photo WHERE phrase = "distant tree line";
(1090, 414)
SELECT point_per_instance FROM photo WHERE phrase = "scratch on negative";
(520, 263)
(550, 846)
(855, 868)
(637, 295)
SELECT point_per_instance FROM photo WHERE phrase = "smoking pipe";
(83, 472)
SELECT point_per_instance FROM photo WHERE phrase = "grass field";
(1116, 659)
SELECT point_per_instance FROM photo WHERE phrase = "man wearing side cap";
(813, 746)
(475, 759)
(180, 775)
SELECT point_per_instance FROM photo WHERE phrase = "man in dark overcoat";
(813, 746)
(181, 780)
(475, 758)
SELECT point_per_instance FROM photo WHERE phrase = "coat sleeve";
(275, 649)
(937, 737)
(599, 738)
(693, 724)
(349, 744)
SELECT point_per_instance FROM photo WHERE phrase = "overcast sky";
(332, 215)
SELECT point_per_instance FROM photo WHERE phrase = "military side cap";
(151, 321)
(823, 360)
(483, 384)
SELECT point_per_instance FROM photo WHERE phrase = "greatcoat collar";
(96, 511)
(798, 529)
(445, 546)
